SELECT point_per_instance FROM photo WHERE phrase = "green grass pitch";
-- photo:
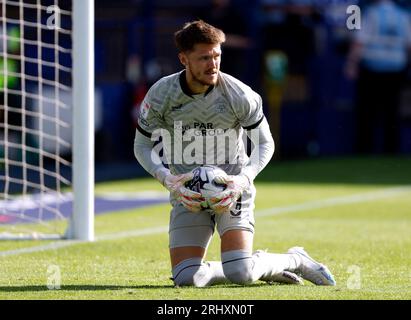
(352, 214)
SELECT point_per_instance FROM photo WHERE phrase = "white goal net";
(42, 44)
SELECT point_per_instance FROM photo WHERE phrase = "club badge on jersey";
(144, 109)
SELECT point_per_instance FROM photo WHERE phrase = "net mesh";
(35, 117)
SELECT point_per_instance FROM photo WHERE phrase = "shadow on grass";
(382, 170)
(37, 288)
(40, 288)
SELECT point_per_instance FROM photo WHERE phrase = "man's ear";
(183, 58)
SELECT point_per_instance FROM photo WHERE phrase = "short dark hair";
(197, 32)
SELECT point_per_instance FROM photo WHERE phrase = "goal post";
(47, 119)
(83, 120)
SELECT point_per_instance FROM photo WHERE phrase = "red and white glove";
(224, 201)
(191, 200)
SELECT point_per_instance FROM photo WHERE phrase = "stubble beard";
(202, 82)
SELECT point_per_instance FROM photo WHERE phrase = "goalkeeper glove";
(236, 185)
(191, 200)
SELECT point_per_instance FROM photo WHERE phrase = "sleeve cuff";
(161, 174)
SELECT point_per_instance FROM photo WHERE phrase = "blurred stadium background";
(293, 52)
(134, 48)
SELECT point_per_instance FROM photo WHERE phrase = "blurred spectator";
(288, 46)
(13, 47)
(10, 83)
(288, 27)
(225, 16)
(379, 58)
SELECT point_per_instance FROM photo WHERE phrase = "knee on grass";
(238, 267)
(191, 272)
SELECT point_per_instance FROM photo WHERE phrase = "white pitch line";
(309, 205)
(68, 243)
(46, 247)
(336, 201)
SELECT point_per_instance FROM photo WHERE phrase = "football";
(204, 182)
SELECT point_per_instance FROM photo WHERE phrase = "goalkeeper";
(204, 102)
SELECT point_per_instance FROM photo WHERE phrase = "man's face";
(202, 63)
